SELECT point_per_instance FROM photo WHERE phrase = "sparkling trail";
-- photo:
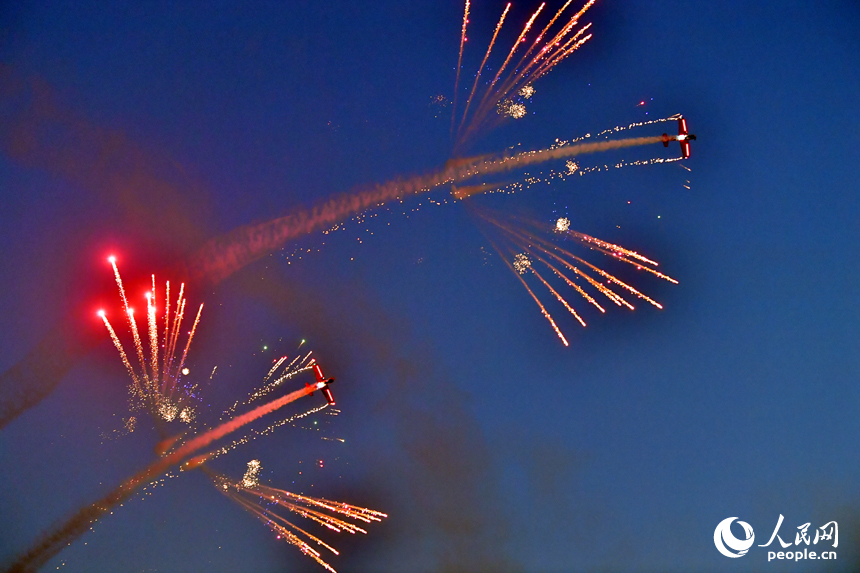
(602, 273)
(515, 78)
(131, 322)
(187, 345)
(481, 67)
(52, 542)
(321, 511)
(174, 336)
(602, 288)
(153, 331)
(122, 353)
(559, 297)
(459, 65)
(534, 297)
(516, 45)
(254, 434)
(222, 256)
(571, 284)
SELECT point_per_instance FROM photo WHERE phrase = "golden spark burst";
(252, 474)
(522, 263)
(526, 248)
(263, 502)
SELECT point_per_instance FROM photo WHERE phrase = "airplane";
(683, 138)
(322, 384)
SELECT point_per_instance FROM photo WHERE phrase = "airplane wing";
(318, 373)
(685, 148)
(327, 393)
(682, 126)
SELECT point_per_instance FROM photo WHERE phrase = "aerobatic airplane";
(322, 384)
(683, 138)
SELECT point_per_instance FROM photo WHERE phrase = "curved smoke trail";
(24, 385)
(226, 254)
(54, 541)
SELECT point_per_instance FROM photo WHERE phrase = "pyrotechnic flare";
(264, 501)
(155, 388)
(175, 452)
(298, 365)
(540, 58)
(459, 62)
(525, 248)
(480, 68)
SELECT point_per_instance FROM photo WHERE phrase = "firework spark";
(522, 263)
(155, 389)
(527, 247)
(465, 168)
(511, 109)
(252, 474)
(254, 434)
(460, 62)
(298, 365)
(481, 67)
(538, 60)
(263, 502)
(54, 541)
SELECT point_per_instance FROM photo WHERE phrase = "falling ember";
(572, 166)
(263, 502)
(533, 295)
(559, 297)
(528, 249)
(527, 91)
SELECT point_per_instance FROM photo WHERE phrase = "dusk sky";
(146, 130)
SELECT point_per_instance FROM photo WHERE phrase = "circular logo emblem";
(728, 544)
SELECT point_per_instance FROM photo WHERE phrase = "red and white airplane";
(322, 384)
(683, 138)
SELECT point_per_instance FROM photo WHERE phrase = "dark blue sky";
(146, 129)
